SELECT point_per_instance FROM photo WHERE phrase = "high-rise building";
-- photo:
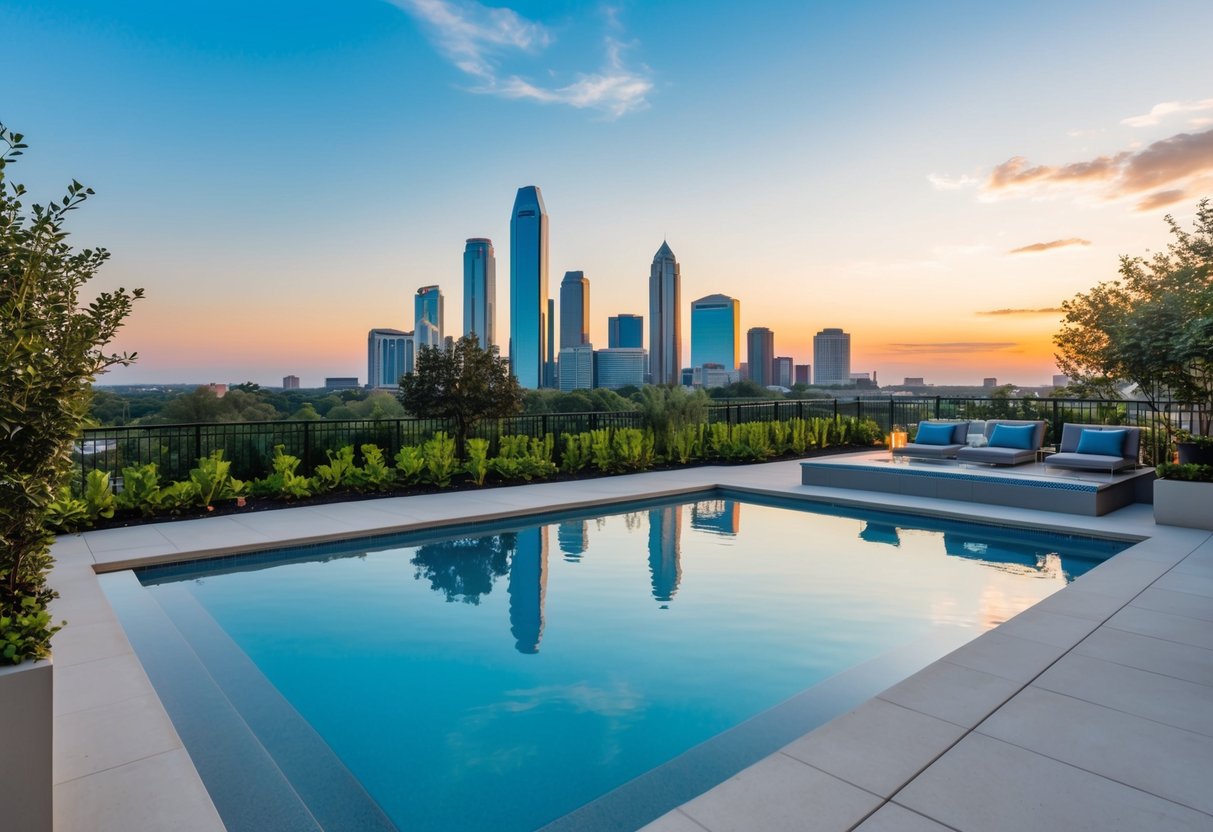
(804, 373)
(341, 383)
(290, 382)
(625, 331)
(529, 323)
(549, 367)
(760, 350)
(428, 308)
(1061, 381)
(480, 291)
(989, 383)
(577, 367)
(388, 356)
(914, 381)
(620, 367)
(716, 331)
(783, 371)
(574, 310)
(665, 319)
(832, 357)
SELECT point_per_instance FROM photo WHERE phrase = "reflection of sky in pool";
(499, 681)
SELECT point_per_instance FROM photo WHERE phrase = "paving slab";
(952, 693)
(893, 818)
(1181, 661)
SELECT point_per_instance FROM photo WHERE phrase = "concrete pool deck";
(1091, 710)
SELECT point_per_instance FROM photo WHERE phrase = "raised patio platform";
(1033, 486)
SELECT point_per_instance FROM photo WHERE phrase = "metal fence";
(250, 445)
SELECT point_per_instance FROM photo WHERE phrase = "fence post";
(937, 407)
(1056, 418)
(835, 409)
(197, 442)
(543, 426)
(307, 447)
(892, 414)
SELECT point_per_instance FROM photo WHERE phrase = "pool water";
(501, 679)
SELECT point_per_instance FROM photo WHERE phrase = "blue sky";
(280, 177)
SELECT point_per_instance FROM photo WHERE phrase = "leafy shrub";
(687, 443)
(177, 496)
(798, 436)
(576, 454)
(98, 496)
(214, 481)
(1188, 472)
(340, 471)
(632, 449)
(477, 465)
(410, 462)
(66, 513)
(140, 489)
(601, 451)
(284, 481)
(522, 457)
(440, 461)
(375, 474)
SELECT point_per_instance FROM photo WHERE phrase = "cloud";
(478, 39)
(946, 183)
(1180, 161)
(951, 347)
(1052, 244)
(1044, 310)
(1160, 111)
(1161, 199)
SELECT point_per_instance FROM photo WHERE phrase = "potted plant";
(1194, 449)
(1183, 494)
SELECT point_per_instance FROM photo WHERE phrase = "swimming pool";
(583, 671)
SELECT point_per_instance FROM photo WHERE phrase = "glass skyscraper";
(665, 320)
(625, 331)
(480, 291)
(760, 348)
(529, 288)
(428, 314)
(388, 356)
(716, 331)
(832, 357)
(574, 310)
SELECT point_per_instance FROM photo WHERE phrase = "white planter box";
(26, 726)
(1178, 503)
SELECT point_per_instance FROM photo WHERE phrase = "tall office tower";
(620, 367)
(480, 291)
(290, 382)
(783, 370)
(716, 331)
(529, 288)
(760, 349)
(577, 367)
(549, 367)
(832, 357)
(574, 310)
(625, 331)
(387, 354)
(665, 322)
(428, 307)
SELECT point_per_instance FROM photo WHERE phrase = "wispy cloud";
(1180, 165)
(1049, 246)
(1044, 310)
(950, 183)
(941, 347)
(1160, 111)
(479, 40)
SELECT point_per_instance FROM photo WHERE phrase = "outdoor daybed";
(936, 440)
(1097, 448)
(1009, 442)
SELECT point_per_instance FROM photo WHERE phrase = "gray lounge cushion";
(928, 451)
(1089, 462)
(996, 456)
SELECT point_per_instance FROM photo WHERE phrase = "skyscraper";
(290, 382)
(577, 367)
(665, 322)
(480, 291)
(429, 316)
(783, 371)
(549, 366)
(832, 357)
(619, 367)
(760, 353)
(625, 331)
(388, 354)
(574, 310)
(529, 288)
(716, 331)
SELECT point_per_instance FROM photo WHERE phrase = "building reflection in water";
(527, 588)
(721, 517)
(665, 530)
(1017, 559)
(874, 532)
(573, 537)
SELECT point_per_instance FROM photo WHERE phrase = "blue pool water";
(501, 679)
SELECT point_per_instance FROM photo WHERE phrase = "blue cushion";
(1013, 436)
(1103, 442)
(934, 433)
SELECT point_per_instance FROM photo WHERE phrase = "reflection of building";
(874, 532)
(1006, 556)
(529, 288)
(721, 517)
(573, 538)
(665, 317)
(665, 530)
(528, 585)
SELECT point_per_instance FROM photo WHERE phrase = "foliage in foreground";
(51, 349)
(1188, 472)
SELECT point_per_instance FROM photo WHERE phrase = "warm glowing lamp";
(897, 437)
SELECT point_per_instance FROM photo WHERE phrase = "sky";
(933, 177)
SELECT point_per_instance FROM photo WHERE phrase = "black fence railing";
(250, 445)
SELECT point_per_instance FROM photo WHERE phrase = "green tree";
(463, 385)
(52, 348)
(1152, 326)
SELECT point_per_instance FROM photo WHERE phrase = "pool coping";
(120, 765)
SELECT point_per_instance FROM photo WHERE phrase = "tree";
(52, 348)
(1151, 327)
(463, 385)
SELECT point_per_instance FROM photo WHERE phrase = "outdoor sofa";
(936, 440)
(1096, 448)
(1008, 442)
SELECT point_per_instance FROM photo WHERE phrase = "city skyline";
(878, 169)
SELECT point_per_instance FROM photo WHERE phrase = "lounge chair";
(1083, 448)
(1008, 442)
(933, 442)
